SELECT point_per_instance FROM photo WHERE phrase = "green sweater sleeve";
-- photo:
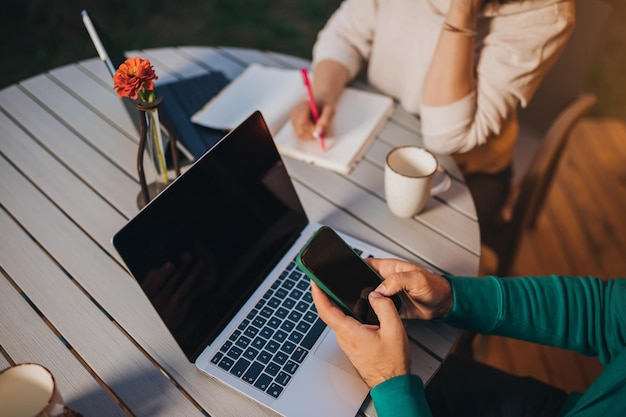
(587, 315)
(402, 396)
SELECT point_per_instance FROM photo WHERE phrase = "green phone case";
(320, 284)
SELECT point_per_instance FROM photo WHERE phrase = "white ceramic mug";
(29, 390)
(409, 174)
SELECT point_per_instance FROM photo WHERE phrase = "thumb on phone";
(386, 311)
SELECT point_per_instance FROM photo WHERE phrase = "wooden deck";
(581, 231)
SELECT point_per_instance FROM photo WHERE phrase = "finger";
(386, 267)
(301, 119)
(326, 116)
(328, 312)
(392, 284)
(386, 311)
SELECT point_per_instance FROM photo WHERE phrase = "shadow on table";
(131, 392)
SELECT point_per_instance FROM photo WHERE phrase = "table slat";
(109, 284)
(69, 192)
(27, 338)
(82, 159)
(133, 378)
(215, 59)
(422, 240)
(84, 81)
(93, 129)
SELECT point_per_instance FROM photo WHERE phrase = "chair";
(545, 127)
(562, 84)
(528, 197)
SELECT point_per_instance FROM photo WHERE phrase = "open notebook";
(274, 92)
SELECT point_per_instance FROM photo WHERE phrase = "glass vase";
(151, 163)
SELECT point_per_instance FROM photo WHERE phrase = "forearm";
(582, 314)
(450, 76)
(402, 396)
(329, 80)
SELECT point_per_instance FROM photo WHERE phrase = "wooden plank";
(84, 81)
(175, 63)
(495, 351)
(563, 369)
(603, 228)
(249, 56)
(214, 59)
(65, 189)
(422, 363)
(107, 351)
(79, 157)
(165, 75)
(408, 233)
(525, 361)
(568, 227)
(436, 337)
(322, 211)
(96, 68)
(4, 363)
(395, 135)
(108, 283)
(590, 367)
(576, 189)
(457, 196)
(93, 129)
(549, 249)
(604, 144)
(436, 214)
(27, 338)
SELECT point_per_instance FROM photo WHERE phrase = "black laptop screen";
(204, 244)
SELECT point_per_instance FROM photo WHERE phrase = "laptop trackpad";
(330, 352)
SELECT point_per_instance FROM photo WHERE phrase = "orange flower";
(134, 78)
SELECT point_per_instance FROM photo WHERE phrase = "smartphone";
(342, 274)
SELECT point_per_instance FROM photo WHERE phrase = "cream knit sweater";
(516, 45)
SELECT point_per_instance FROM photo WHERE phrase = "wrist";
(463, 14)
(376, 380)
(447, 301)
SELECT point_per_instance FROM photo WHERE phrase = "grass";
(39, 35)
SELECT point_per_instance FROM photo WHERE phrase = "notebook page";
(272, 91)
(358, 117)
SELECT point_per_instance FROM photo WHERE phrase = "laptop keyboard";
(272, 341)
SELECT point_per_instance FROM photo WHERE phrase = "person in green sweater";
(584, 314)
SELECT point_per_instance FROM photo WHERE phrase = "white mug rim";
(49, 401)
(399, 148)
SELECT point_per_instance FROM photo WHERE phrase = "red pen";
(318, 133)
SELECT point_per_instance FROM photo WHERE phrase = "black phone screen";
(342, 273)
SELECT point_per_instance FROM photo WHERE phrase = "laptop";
(215, 254)
(181, 99)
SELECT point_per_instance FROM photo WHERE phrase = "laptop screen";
(202, 246)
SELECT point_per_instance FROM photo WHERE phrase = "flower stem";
(156, 135)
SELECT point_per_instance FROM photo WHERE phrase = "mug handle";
(444, 184)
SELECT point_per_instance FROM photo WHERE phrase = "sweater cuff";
(445, 128)
(401, 396)
(477, 303)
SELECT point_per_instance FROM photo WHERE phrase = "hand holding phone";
(341, 273)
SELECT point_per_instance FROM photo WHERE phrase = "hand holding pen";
(319, 131)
